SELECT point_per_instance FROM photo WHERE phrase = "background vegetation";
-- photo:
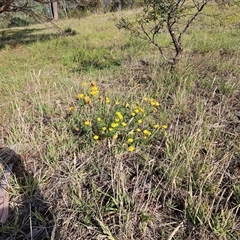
(76, 182)
(23, 13)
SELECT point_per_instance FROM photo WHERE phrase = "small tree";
(160, 16)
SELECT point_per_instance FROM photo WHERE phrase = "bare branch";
(199, 10)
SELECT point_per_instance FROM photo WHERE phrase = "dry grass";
(181, 185)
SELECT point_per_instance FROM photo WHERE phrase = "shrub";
(95, 117)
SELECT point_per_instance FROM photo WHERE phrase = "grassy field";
(114, 145)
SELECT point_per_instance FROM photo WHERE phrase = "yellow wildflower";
(104, 128)
(156, 126)
(71, 109)
(153, 102)
(138, 130)
(99, 119)
(115, 136)
(119, 115)
(130, 140)
(133, 114)
(84, 84)
(138, 109)
(110, 129)
(140, 121)
(124, 124)
(146, 132)
(114, 125)
(107, 100)
(87, 123)
(95, 137)
(94, 93)
(94, 90)
(164, 126)
(131, 148)
(80, 95)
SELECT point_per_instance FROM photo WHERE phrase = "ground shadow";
(29, 215)
(15, 37)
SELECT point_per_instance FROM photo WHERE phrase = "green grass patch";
(111, 142)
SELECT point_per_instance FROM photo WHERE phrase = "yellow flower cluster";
(128, 125)
(152, 102)
(114, 125)
(93, 89)
(119, 115)
(85, 98)
(147, 133)
(138, 109)
(93, 92)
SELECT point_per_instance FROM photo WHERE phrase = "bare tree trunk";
(176, 41)
(54, 9)
(177, 45)
(118, 5)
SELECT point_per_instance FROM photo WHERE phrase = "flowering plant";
(96, 117)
